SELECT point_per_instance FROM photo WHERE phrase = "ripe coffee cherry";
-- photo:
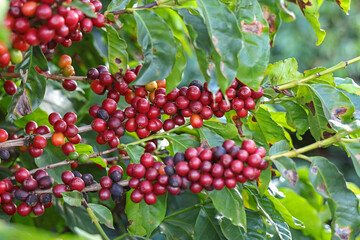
(60, 126)
(249, 146)
(191, 153)
(98, 125)
(196, 187)
(244, 92)
(196, 121)
(71, 131)
(160, 100)
(6, 197)
(104, 194)
(205, 180)
(58, 139)
(24, 209)
(151, 174)
(258, 94)
(260, 151)
(30, 127)
(147, 160)
(88, 179)
(219, 183)
(193, 175)
(263, 164)
(175, 181)
(92, 73)
(145, 187)
(9, 208)
(3, 135)
(10, 87)
(170, 108)
(29, 8)
(39, 174)
(43, 129)
(69, 85)
(236, 166)
(230, 182)
(173, 190)
(39, 142)
(249, 173)
(86, 25)
(134, 183)
(182, 102)
(163, 179)
(159, 189)
(54, 117)
(4, 154)
(46, 182)
(179, 157)
(142, 105)
(129, 75)
(217, 170)
(249, 103)
(38, 210)
(228, 144)
(138, 171)
(150, 198)
(35, 152)
(67, 176)
(136, 196)
(116, 192)
(77, 184)
(169, 170)
(193, 93)
(2, 187)
(150, 147)
(115, 176)
(254, 160)
(225, 160)
(97, 87)
(21, 174)
(21, 195)
(182, 168)
(67, 148)
(30, 184)
(105, 182)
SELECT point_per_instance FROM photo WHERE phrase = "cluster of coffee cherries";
(6, 55)
(67, 70)
(4, 153)
(30, 201)
(110, 186)
(49, 22)
(65, 127)
(196, 169)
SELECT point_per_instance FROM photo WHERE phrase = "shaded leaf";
(254, 55)
(116, 5)
(182, 142)
(344, 206)
(39, 116)
(206, 226)
(73, 198)
(158, 44)
(227, 131)
(174, 78)
(354, 151)
(82, 6)
(211, 137)
(135, 152)
(296, 117)
(264, 181)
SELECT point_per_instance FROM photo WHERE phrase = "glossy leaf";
(283, 71)
(226, 200)
(211, 137)
(227, 131)
(88, 149)
(32, 88)
(73, 198)
(267, 130)
(82, 6)
(182, 142)
(144, 218)
(103, 214)
(344, 4)
(319, 127)
(264, 181)
(174, 78)
(344, 205)
(354, 151)
(117, 54)
(116, 5)
(223, 31)
(296, 117)
(135, 152)
(310, 10)
(272, 215)
(158, 44)
(256, 228)
(271, 13)
(306, 213)
(254, 55)
(39, 116)
(206, 226)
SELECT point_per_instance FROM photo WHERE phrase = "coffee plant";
(166, 120)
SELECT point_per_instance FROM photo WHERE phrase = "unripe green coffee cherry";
(83, 158)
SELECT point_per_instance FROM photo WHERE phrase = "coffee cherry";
(6, 197)
(67, 176)
(193, 93)
(136, 196)
(69, 85)
(254, 160)
(260, 151)
(21, 174)
(217, 170)
(205, 180)
(138, 171)
(193, 175)
(58, 139)
(257, 94)
(97, 87)
(115, 176)
(236, 166)
(249, 146)
(39, 174)
(150, 198)
(39, 209)
(39, 142)
(31, 200)
(150, 147)
(196, 187)
(67, 148)
(116, 191)
(147, 160)
(249, 173)
(60, 126)
(46, 182)
(226, 160)
(263, 164)
(218, 183)
(42, 130)
(88, 179)
(182, 168)
(9, 208)
(218, 152)
(159, 189)
(145, 187)
(30, 127)
(30, 184)
(35, 152)
(196, 121)
(129, 75)
(4, 154)
(77, 184)
(2, 187)
(168, 124)
(244, 92)
(134, 183)
(104, 194)
(230, 182)
(24, 209)
(3, 135)
(98, 125)
(249, 103)
(175, 181)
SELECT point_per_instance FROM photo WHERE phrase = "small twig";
(95, 220)
(130, 10)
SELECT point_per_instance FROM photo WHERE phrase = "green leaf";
(52, 155)
(319, 127)
(82, 6)
(310, 10)
(206, 226)
(227, 131)
(39, 116)
(144, 218)
(4, 34)
(174, 78)
(274, 217)
(283, 71)
(209, 60)
(335, 104)
(264, 181)
(306, 213)
(223, 31)
(254, 55)
(226, 200)
(117, 54)
(135, 152)
(272, 15)
(73, 198)
(287, 168)
(296, 117)
(32, 88)
(103, 214)
(267, 130)
(116, 5)
(182, 142)
(158, 44)
(256, 228)
(344, 206)
(324, 78)
(354, 150)
(344, 4)
(211, 137)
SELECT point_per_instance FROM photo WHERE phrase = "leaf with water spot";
(117, 55)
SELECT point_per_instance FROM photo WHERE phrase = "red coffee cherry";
(105, 182)
(30, 127)
(68, 148)
(69, 85)
(196, 121)
(249, 146)
(3, 135)
(39, 142)
(104, 194)
(21, 174)
(136, 196)
(10, 87)
(67, 176)
(147, 160)
(77, 184)
(150, 198)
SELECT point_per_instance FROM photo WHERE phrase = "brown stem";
(24, 141)
(48, 76)
(91, 188)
